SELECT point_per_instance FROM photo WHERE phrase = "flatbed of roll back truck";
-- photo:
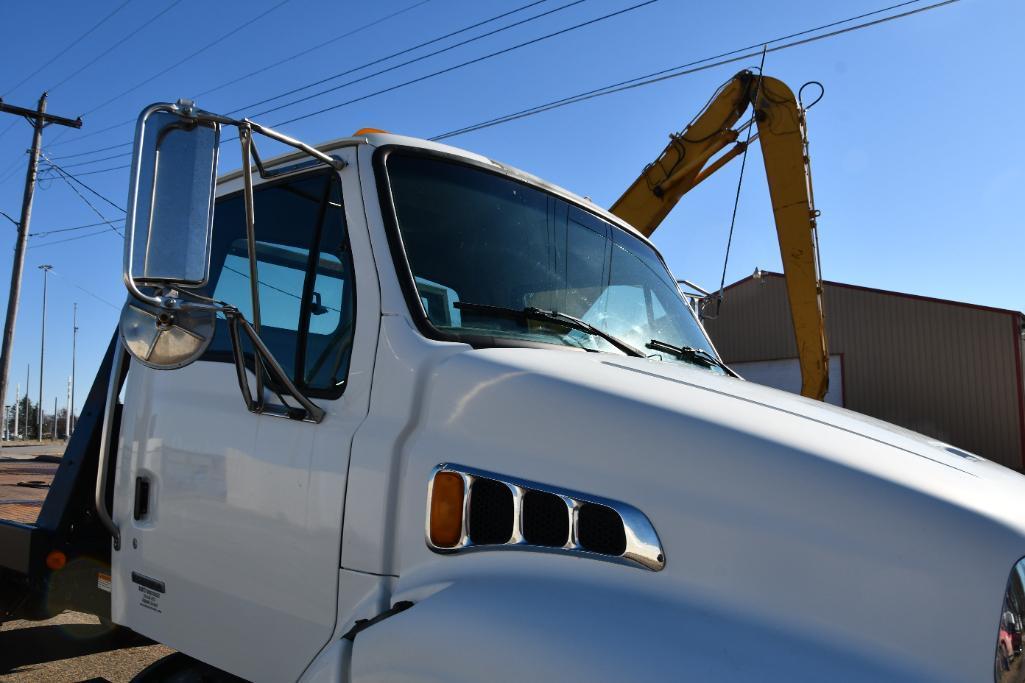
(54, 554)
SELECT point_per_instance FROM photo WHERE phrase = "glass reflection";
(1007, 665)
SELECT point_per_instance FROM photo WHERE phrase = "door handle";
(142, 488)
(117, 371)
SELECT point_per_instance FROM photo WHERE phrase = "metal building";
(947, 369)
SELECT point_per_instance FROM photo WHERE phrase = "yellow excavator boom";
(690, 157)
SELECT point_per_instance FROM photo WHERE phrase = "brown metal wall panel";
(944, 369)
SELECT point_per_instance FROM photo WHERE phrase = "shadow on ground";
(45, 643)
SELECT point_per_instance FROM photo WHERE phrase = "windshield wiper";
(565, 319)
(690, 354)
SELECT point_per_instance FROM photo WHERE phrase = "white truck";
(481, 436)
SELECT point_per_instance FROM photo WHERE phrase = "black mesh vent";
(491, 512)
(545, 519)
(600, 529)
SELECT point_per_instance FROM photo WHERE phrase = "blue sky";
(919, 185)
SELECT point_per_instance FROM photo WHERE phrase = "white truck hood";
(981, 484)
(773, 508)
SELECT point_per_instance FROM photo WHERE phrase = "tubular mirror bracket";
(308, 410)
(175, 297)
(245, 136)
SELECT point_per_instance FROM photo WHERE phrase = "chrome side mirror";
(167, 323)
(171, 197)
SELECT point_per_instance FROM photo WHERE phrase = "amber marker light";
(55, 560)
(446, 509)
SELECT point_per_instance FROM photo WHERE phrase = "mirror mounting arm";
(308, 412)
(337, 164)
(245, 136)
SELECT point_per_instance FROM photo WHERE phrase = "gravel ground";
(72, 648)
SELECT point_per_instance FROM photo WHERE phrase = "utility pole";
(17, 407)
(42, 348)
(38, 119)
(74, 340)
(54, 418)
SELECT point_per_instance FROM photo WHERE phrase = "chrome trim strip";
(643, 547)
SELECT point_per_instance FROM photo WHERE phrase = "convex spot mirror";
(171, 198)
(165, 339)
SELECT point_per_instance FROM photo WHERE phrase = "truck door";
(230, 521)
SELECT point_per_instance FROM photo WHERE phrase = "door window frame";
(302, 332)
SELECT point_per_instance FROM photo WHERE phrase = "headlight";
(1007, 665)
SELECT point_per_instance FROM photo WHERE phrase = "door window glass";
(307, 303)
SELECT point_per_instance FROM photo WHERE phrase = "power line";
(181, 61)
(96, 161)
(104, 170)
(639, 81)
(113, 46)
(411, 49)
(68, 177)
(70, 229)
(80, 287)
(105, 231)
(10, 170)
(93, 151)
(116, 44)
(676, 72)
(342, 73)
(308, 50)
(469, 62)
(73, 43)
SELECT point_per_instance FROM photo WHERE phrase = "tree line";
(28, 422)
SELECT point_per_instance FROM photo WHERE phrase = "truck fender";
(530, 629)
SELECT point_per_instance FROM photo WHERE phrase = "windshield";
(474, 237)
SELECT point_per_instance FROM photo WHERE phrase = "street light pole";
(42, 346)
(74, 341)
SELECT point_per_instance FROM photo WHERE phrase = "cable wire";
(93, 151)
(113, 46)
(39, 245)
(80, 287)
(116, 44)
(341, 73)
(405, 51)
(178, 63)
(685, 69)
(96, 161)
(636, 82)
(316, 47)
(104, 170)
(73, 228)
(68, 178)
(469, 62)
(740, 184)
(73, 43)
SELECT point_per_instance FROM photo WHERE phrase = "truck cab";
(489, 440)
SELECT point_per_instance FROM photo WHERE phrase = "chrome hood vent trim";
(526, 515)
